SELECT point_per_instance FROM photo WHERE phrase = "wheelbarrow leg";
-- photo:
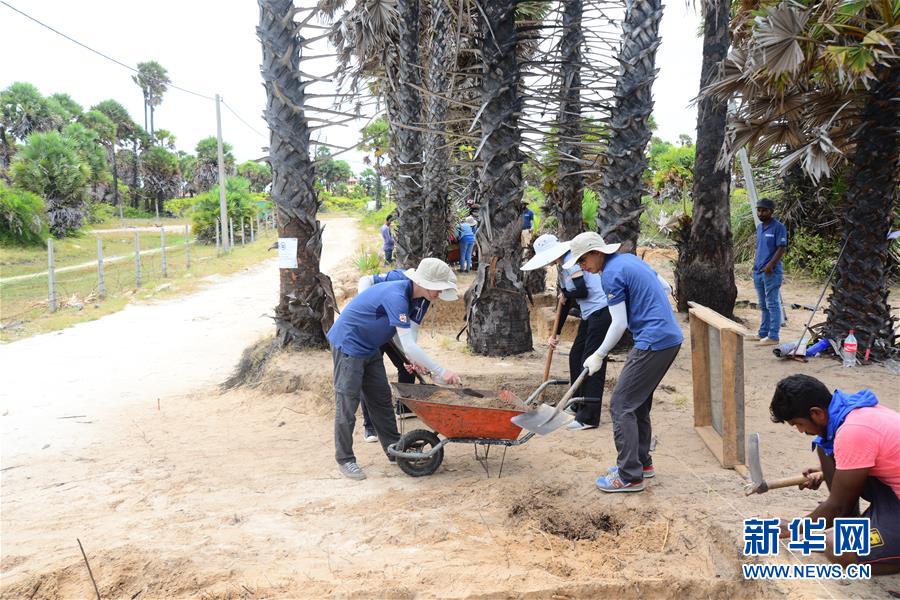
(502, 460)
(483, 460)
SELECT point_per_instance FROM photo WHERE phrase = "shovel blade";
(543, 420)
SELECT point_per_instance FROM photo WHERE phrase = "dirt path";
(236, 495)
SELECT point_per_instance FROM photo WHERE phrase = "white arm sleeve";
(407, 339)
(364, 283)
(664, 283)
(619, 324)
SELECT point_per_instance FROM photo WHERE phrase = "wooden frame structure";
(717, 361)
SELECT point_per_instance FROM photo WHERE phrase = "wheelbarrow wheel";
(419, 440)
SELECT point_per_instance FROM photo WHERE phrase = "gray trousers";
(630, 407)
(355, 378)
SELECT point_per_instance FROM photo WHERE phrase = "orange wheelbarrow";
(448, 412)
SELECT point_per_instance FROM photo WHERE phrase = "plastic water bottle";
(849, 353)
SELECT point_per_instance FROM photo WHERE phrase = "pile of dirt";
(460, 397)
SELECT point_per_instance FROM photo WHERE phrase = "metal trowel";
(545, 418)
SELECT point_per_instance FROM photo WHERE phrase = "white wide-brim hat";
(470, 220)
(585, 242)
(435, 274)
(547, 248)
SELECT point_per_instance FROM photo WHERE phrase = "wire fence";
(112, 267)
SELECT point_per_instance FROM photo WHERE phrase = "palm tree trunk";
(860, 290)
(135, 196)
(5, 154)
(406, 142)
(436, 166)
(306, 304)
(498, 313)
(705, 269)
(621, 185)
(377, 183)
(151, 122)
(565, 201)
(115, 174)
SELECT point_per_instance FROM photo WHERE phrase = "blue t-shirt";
(418, 307)
(596, 298)
(465, 232)
(769, 237)
(369, 321)
(626, 278)
(527, 218)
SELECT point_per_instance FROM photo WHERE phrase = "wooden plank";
(716, 320)
(712, 440)
(700, 371)
(732, 396)
(743, 471)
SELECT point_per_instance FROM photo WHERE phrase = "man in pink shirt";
(858, 443)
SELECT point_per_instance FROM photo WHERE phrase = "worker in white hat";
(465, 232)
(584, 290)
(369, 321)
(637, 301)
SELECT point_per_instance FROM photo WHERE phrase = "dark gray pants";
(630, 408)
(353, 379)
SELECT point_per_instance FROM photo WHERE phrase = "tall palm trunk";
(436, 166)
(621, 185)
(135, 166)
(566, 197)
(705, 269)
(498, 313)
(115, 174)
(377, 183)
(306, 304)
(404, 104)
(860, 291)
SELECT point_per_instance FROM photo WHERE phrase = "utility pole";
(223, 209)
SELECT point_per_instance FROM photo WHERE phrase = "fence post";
(51, 277)
(187, 244)
(101, 282)
(231, 235)
(218, 241)
(243, 241)
(251, 230)
(137, 260)
(162, 245)
(257, 226)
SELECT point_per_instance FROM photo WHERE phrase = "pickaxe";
(758, 484)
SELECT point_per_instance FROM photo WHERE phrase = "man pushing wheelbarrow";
(369, 321)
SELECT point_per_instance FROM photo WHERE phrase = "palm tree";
(153, 79)
(306, 307)
(822, 81)
(498, 309)
(621, 185)
(705, 269)
(124, 127)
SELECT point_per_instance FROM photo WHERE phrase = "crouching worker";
(368, 322)
(858, 443)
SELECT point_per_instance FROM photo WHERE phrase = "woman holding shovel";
(585, 290)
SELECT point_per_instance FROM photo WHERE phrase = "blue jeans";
(465, 254)
(768, 291)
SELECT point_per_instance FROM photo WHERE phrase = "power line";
(97, 52)
(239, 118)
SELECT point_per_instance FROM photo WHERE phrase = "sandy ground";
(176, 490)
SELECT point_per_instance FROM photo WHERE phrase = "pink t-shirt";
(870, 439)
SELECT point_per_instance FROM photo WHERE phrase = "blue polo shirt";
(527, 218)
(626, 278)
(769, 237)
(370, 320)
(418, 307)
(596, 298)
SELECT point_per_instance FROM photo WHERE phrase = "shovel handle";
(405, 360)
(570, 392)
(559, 309)
(786, 482)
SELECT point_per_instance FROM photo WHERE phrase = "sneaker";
(578, 426)
(649, 472)
(612, 483)
(369, 435)
(351, 470)
(768, 342)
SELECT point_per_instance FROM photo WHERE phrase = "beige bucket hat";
(435, 274)
(585, 242)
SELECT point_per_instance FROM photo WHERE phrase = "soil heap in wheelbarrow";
(503, 399)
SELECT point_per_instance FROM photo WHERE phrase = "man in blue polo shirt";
(368, 322)
(637, 301)
(771, 243)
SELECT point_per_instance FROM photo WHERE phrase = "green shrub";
(23, 220)
(368, 261)
(811, 253)
(130, 212)
(100, 212)
(334, 203)
(377, 217)
(239, 205)
(182, 206)
(743, 227)
(590, 206)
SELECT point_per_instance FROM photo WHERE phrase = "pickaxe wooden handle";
(786, 482)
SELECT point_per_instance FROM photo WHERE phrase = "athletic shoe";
(649, 472)
(612, 483)
(570, 410)
(351, 470)
(578, 426)
(768, 342)
(369, 435)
